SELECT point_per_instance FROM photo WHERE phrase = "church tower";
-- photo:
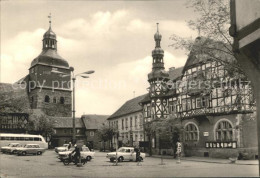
(157, 79)
(49, 79)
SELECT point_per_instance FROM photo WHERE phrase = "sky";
(114, 38)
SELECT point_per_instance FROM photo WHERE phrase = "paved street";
(48, 165)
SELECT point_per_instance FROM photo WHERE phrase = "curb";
(206, 161)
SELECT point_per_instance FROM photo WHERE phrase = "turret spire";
(49, 38)
(49, 16)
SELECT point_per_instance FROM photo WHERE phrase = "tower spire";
(49, 16)
(157, 27)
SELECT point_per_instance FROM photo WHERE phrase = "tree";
(168, 130)
(107, 133)
(41, 125)
(213, 23)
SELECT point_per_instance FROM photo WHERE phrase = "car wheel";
(120, 159)
(39, 153)
(23, 153)
(88, 158)
(112, 159)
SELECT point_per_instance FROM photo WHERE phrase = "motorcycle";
(72, 159)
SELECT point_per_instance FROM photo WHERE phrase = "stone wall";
(52, 109)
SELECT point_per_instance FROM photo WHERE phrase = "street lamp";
(73, 96)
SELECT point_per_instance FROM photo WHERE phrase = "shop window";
(224, 131)
(191, 132)
(47, 99)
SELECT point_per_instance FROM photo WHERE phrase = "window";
(62, 100)
(54, 100)
(126, 123)
(122, 124)
(184, 105)
(224, 131)
(131, 122)
(191, 132)
(92, 133)
(198, 102)
(47, 99)
(135, 121)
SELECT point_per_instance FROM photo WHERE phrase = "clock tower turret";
(157, 79)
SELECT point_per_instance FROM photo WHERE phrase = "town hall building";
(212, 109)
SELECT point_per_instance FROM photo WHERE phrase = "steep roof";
(94, 121)
(199, 52)
(66, 122)
(131, 106)
(14, 98)
(175, 73)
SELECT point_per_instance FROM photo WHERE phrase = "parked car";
(124, 153)
(9, 148)
(13, 149)
(30, 149)
(85, 153)
(64, 147)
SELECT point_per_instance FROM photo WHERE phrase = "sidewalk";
(210, 160)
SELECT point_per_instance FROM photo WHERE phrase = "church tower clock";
(49, 79)
(157, 79)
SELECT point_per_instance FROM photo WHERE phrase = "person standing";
(77, 153)
(178, 153)
(69, 146)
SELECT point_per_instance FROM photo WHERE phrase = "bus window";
(17, 138)
(21, 138)
(26, 138)
(7, 138)
(11, 138)
(36, 139)
(2, 138)
(30, 138)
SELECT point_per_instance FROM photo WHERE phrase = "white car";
(34, 149)
(10, 147)
(124, 153)
(85, 153)
(64, 147)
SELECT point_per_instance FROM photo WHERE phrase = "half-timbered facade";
(216, 107)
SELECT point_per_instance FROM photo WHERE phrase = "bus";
(23, 139)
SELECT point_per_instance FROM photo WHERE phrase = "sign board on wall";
(231, 144)
(205, 134)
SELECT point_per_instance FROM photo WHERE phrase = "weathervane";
(157, 27)
(49, 16)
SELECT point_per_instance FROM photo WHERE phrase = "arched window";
(54, 100)
(62, 100)
(224, 131)
(47, 99)
(191, 132)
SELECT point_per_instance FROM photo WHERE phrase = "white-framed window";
(92, 133)
(223, 131)
(191, 132)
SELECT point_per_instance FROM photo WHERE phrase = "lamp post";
(73, 98)
(83, 75)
